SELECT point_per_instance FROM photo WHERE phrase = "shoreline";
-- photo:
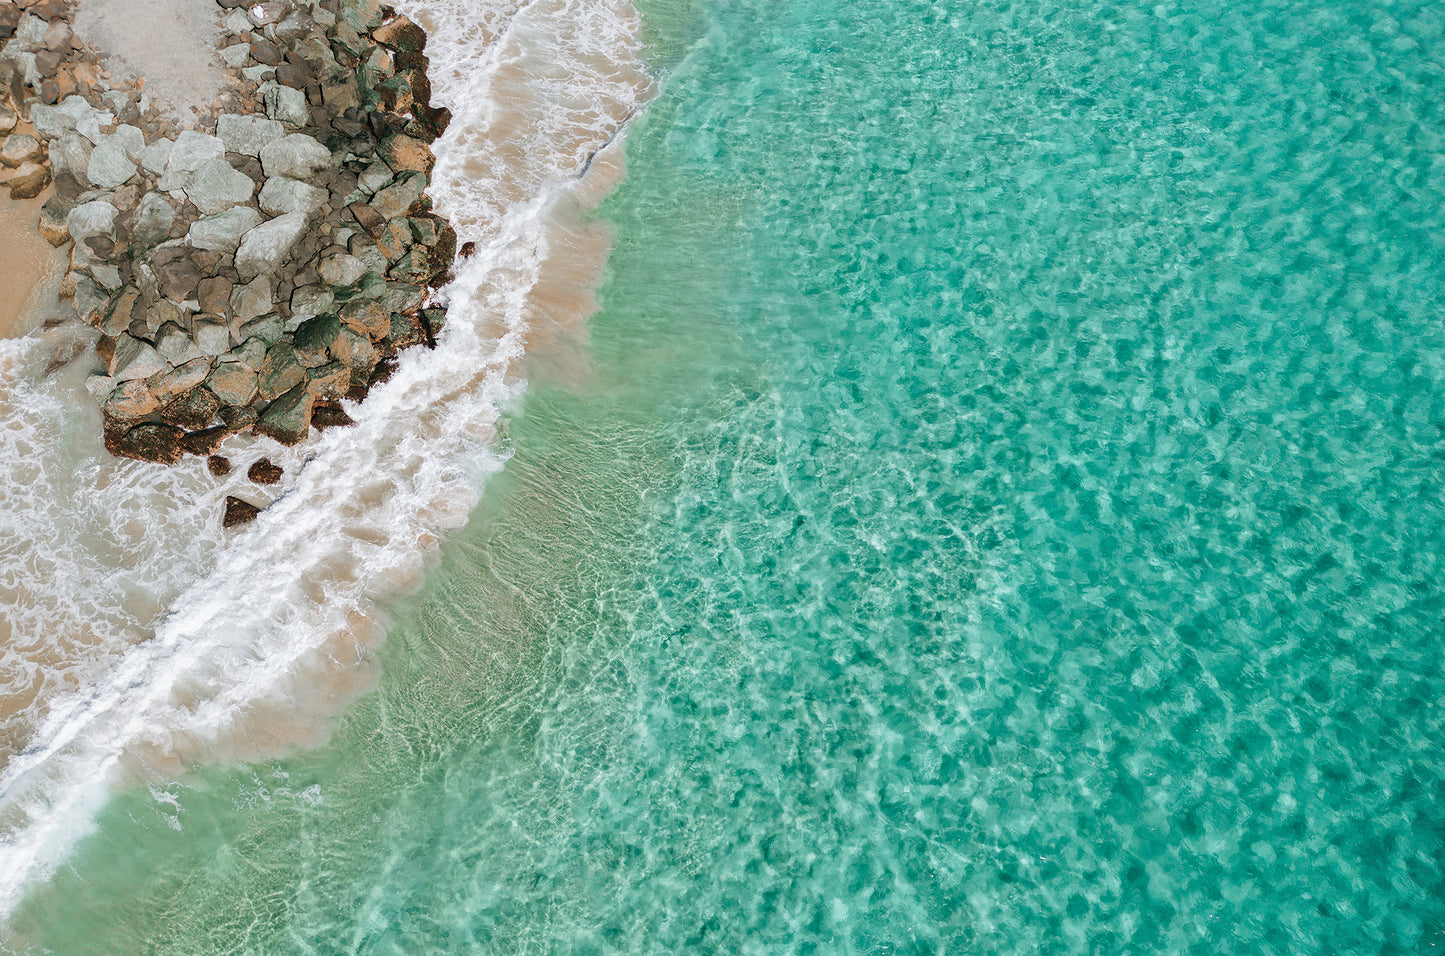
(248, 267)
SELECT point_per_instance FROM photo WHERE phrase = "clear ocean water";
(999, 507)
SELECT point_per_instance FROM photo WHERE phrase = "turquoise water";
(1004, 515)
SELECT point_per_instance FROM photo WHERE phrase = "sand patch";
(28, 265)
(169, 43)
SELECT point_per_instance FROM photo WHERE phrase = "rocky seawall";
(251, 270)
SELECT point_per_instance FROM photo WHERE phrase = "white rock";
(341, 269)
(212, 338)
(191, 151)
(109, 167)
(156, 155)
(216, 187)
(89, 219)
(234, 56)
(175, 345)
(252, 299)
(297, 156)
(265, 247)
(285, 104)
(223, 232)
(247, 134)
(281, 195)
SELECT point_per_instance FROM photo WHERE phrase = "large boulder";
(399, 33)
(131, 402)
(286, 106)
(395, 200)
(247, 134)
(223, 231)
(288, 418)
(402, 152)
(153, 220)
(253, 299)
(29, 181)
(134, 359)
(149, 442)
(282, 195)
(232, 383)
(20, 149)
(314, 338)
(309, 301)
(340, 269)
(169, 384)
(176, 273)
(175, 345)
(216, 186)
(191, 410)
(191, 151)
(280, 372)
(109, 167)
(265, 247)
(296, 156)
(354, 350)
(329, 382)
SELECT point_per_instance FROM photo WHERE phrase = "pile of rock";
(251, 273)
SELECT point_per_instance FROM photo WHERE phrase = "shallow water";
(997, 508)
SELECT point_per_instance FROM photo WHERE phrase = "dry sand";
(28, 265)
(169, 43)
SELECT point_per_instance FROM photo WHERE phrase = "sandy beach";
(28, 261)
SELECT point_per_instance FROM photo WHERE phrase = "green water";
(1005, 516)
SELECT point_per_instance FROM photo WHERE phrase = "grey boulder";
(297, 156)
(265, 247)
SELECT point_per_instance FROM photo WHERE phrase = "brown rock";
(205, 441)
(329, 415)
(30, 181)
(19, 149)
(148, 442)
(367, 218)
(130, 402)
(264, 472)
(176, 273)
(288, 418)
(238, 418)
(193, 410)
(399, 33)
(218, 465)
(371, 318)
(214, 294)
(238, 512)
(263, 51)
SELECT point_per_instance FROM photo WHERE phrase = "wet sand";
(26, 262)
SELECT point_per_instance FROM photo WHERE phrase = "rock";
(310, 301)
(205, 441)
(52, 223)
(219, 466)
(8, 119)
(109, 167)
(329, 382)
(90, 298)
(153, 220)
(313, 339)
(232, 383)
(238, 418)
(354, 350)
(154, 318)
(134, 359)
(395, 200)
(340, 269)
(223, 231)
(252, 350)
(238, 512)
(176, 273)
(285, 105)
(265, 247)
(400, 33)
(130, 139)
(212, 338)
(288, 418)
(282, 195)
(29, 181)
(326, 415)
(248, 134)
(235, 55)
(374, 177)
(215, 187)
(131, 402)
(107, 276)
(395, 240)
(296, 156)
(156, 156)
(252, 299)
(174, 345)
(264, 472)
(279, 373)
(191, 410)
(402, 297)
(402, 153)
(149, 442)
(71, 154)
(369, 318)
(119, 312)
(371, 221)
(20, 149)
(191, 151)
(263, 51)
(213, 295)
(169, 384)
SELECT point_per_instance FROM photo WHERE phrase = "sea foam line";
(275, 633)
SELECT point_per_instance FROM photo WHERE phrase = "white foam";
(186, 647)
